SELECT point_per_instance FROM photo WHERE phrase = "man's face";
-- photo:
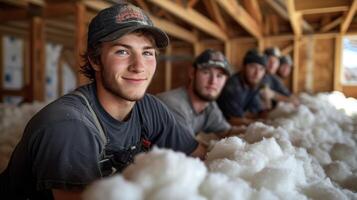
(284, 70)
(208, 83)
(273, 64)
(127, 66)
(254, 73)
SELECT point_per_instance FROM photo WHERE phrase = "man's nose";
(137, 63)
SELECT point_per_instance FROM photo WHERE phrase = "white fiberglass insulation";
(305, 152)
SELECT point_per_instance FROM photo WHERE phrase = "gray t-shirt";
(209, 120)
(61, 146)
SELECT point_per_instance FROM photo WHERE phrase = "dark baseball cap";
(116, 21)
(212, 58)
(272, 51)
(286, 60)
(253, 56)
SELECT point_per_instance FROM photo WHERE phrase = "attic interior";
(311, 32)
(304, 151)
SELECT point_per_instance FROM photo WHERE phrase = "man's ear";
(95, 65)
(191, 72)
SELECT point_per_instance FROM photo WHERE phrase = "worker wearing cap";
(194, 105)
(285, 67)
(279, 91)
(240, 101)
(97, 130)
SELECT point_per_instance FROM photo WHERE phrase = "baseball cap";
(253, 56)
(113, 22)
(286, 60)
(272, 51)
(212, 58)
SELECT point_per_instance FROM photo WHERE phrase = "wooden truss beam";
(192, 17)
(295, 18)
(253, 9)
(215, 13)
(239, 14)
(331, 25)
(321, 6)
(281, 10)
(174, 30)
(348, 18)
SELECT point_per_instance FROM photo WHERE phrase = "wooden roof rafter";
(280, 8)
(215, 13)
(192, 17)
(253, 9)
(331, 25)
(295, 17)
(238, 13)
(321, 6)
(348, 17)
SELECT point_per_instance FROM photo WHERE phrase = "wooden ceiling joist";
(347, 20)
(295, 18)
(192, 3)
(192, 17)
(241, 16)
(281, 10)
(143, 5)
(331, 25)
(174, 30)
(215, 13)
(13, 15)
(253, 9)
(321, 6)
(59, 9)
(97, 5)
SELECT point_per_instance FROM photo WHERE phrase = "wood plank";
(168, 69)
(36, 90)
(215, 13)
(174, 30)
(59, 9)
(192, 3)
(331, 25)
(228, 51)
(60, 25)
(81, 40)
(143, 5)
(253, 9)
(337, 85)
(348, 18)
(295, 78)
(295, 18)
(13, 15)
(192, 17)
(321, 6)
(241, 16)
(97, 5)
(19, 3)
(287, 50)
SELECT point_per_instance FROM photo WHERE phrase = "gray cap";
(212, 58)
(120, 19)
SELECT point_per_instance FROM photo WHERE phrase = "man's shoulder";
(67, 107)
(174, 97)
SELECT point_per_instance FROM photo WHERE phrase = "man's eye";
(148, 53)
(121, 52)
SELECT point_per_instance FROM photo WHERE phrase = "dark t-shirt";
(61, 146)
(237, 98)
(276, 84)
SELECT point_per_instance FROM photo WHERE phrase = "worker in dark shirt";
(240, 101)
(279, 92)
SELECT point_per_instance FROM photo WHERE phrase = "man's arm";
(66, 195)
(200, 151)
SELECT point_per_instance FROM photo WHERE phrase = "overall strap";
(102, 136)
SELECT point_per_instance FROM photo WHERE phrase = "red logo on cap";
(129, 13)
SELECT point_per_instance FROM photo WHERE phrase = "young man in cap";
(240, 101)
(194, 106)
(285, 67)
(279, 91)
(99, 128)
